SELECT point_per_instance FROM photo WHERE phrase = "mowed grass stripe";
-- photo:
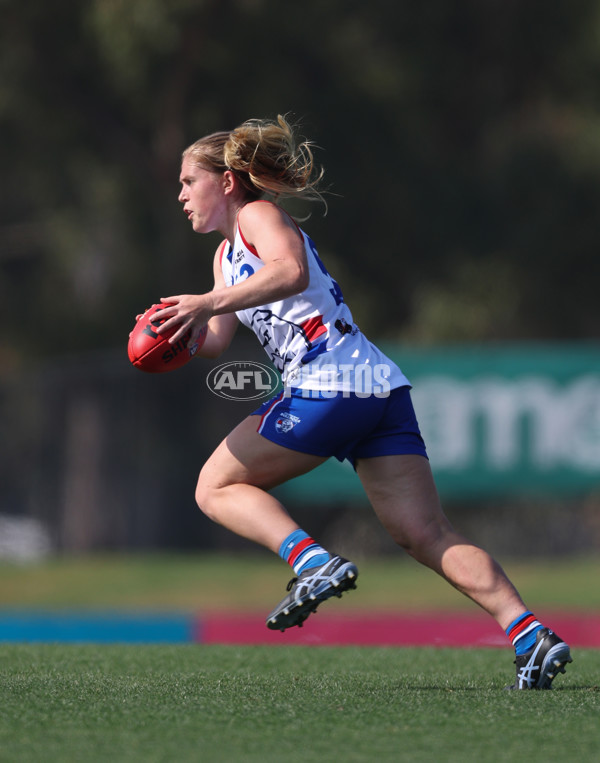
(253, 582)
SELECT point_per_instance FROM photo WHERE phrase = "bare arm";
(280, 247)
(285, 272)
(221, 328)
(188, 310)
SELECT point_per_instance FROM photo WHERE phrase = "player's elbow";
(298, 279)
(303, 279)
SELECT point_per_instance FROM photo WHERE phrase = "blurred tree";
(462, 141)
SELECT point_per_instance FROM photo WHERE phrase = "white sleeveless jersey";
(310, 337)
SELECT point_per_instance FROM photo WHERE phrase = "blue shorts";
(347, 427)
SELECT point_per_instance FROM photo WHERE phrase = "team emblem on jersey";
(286, 422)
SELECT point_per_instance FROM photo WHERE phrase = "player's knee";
(423, 540)
(414, 545)
(205, 498)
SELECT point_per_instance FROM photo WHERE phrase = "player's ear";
(229, 181)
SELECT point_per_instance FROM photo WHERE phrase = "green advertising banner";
(497, 420)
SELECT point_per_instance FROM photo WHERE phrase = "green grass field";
(245, 704)
(208, 703)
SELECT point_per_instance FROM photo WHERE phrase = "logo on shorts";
(243, 380)
(286, 422)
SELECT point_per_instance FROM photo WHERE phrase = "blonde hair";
(265, 157)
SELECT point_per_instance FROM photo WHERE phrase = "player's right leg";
(403, 494)
(538, 665)
(404, 497)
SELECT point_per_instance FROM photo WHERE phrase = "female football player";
(342, 396)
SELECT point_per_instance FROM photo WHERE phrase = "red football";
(151, 352)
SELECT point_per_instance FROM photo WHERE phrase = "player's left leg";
(403, 494)
(232, 485)
(232, 490)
